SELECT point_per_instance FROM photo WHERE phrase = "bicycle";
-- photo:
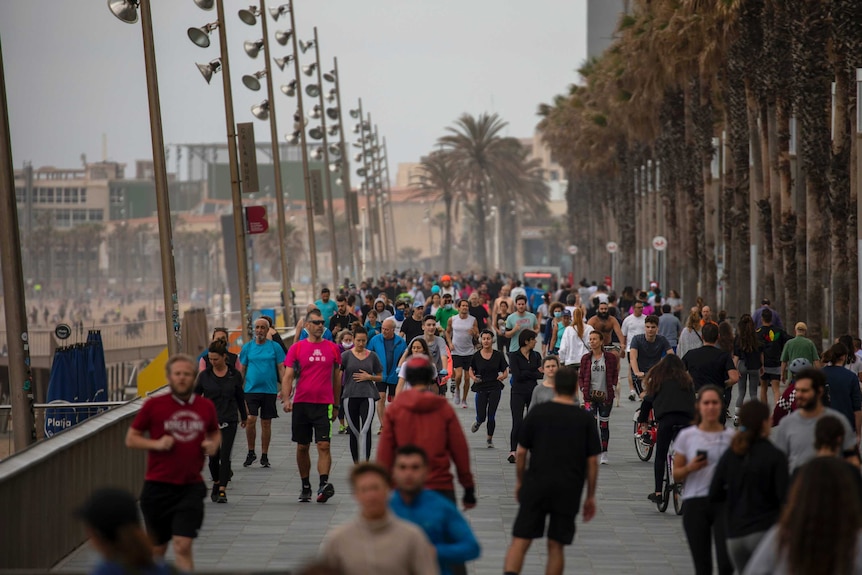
(670, 489)
(645, 439)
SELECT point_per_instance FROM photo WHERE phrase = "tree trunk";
(481, 230)
(447, 228)
(839, 200)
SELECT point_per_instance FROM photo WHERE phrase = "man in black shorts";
(262, 364)
(182, 429)
(311, 384)
(563, 444)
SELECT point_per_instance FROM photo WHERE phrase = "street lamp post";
(388, 187)
(386, 251)
(345, 173)
(369, 213)
(20, 382)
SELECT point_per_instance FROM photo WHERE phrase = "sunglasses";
(316, 322)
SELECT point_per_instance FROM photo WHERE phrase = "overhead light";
(330, 76)
(356, 145)
(361, 172)
(315, 112)
(317, 153)
(334, 167)
(312, 90)
(289, 89)
(282, 62)
(304, 46)
(357, 128)
(357, 157)
(331, 95)
(354, 113)
(125, 10)
(332, 113)
(309, 70)
(207, 70)
(316, 133)
(282, 36)
(252, 48)
(294, 138)
(299, 122)
(339, 181)
(201, 36)
(205, 4)
(249, 16)
(277, 11)
(261, 111)
(335, 149)
(252, 82)
(332, 130)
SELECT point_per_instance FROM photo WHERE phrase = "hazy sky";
(74, 72)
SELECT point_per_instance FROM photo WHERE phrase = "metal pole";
(20, 382)
(236, 193)
(388, 186)
(364, 255)
(367, 192)
(382, 244)
(345, 174)
(383, 200)
(327, 175)
(276, 165)
(303, 142)
(163, 207)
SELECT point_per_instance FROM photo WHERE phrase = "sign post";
(247, 158)
(573, 251)
(659, 244)
(613, 248)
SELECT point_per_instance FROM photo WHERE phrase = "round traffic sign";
(63, 331)
(659, 243)
(572, 249)
(612, 247)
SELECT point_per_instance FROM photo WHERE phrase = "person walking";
(576, 341)
(597, 384)
(428, 421)
(222, 384)
(561, 443)
(751, 482)
(823, 495)
(460, 331)
(176, 430)
(309, 390)
(697, 450)
(377, 541)
(525, 365)
(361, 370)
(748, 353)
(844, 394)
(710, 365)
(773, 339)
(219, 333)
(669, 326)
(669, 394)
(519, 321)
(389, 348)
(799, 346)
(262, 362)
(488, 370)
(438, 517)
(545, 391)
(689, 337)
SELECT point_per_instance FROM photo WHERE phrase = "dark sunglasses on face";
(316, 322)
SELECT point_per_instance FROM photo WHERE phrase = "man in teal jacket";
(438, 517)
(389, 349)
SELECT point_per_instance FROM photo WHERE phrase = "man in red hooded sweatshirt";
(421, 417)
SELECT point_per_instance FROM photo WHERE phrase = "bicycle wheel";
(666, 488)
(677, 498)
(643, 450)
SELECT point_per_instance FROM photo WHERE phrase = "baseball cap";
(107, 510)
(602, 297)
(418, 370)
(418, 304)
(446, 278)
(800, 326)
(567, 313)
(798, 365)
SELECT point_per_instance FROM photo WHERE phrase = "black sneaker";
(222, 497)
(475, 427)
(511, 458)
(264, 460)
(655, 497)
(490, 443)
(452, 386)
(249, 459)
(305, 495)
(325, 493)
(214, 494)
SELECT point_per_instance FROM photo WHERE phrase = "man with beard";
(605, 324)
(795, 434)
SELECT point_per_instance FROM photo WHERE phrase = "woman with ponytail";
(751, 481)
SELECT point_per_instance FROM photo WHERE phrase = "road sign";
(63, 331)
(659, 243)
(255, 220)
(612, 247)
(573, 249)
(247, 158)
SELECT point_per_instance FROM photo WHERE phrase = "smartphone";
(701, 454)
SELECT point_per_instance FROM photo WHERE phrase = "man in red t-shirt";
(315, 365)
(182, 429)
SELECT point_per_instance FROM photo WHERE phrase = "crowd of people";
(755, 472)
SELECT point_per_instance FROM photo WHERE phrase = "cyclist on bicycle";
(647, 350)
(670, 395)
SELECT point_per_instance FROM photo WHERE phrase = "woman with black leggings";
(488, 370)
(361, 371)
(525, 365)
(222, 384)
(670, 394)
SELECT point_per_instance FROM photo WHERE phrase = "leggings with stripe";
(602, 413)
(360, 414)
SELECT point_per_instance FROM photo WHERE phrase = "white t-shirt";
(855, 367)
(402, 374)
(631, 327)
(691, 440)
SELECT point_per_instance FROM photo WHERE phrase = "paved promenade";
(263, 527)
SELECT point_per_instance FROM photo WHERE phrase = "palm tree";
(409, 254)
(437, 181)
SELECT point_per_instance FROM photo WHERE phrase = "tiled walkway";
(264, 528)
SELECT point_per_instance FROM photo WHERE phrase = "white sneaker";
(457, 400)
(604, 458)
(632, 395)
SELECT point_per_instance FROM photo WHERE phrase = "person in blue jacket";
(438, 517)
(389, 349)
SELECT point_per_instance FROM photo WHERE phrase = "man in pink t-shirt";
(310, 390)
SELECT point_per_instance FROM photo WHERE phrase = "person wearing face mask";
(555, 321)
(400, 314)
(446, 311)
(380, 308)
(344, 341)
(342, 319)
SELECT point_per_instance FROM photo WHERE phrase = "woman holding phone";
(697, 450)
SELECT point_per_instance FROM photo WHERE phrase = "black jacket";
(525, 372)
(671, 398)
(752, 486)
(225, 392)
